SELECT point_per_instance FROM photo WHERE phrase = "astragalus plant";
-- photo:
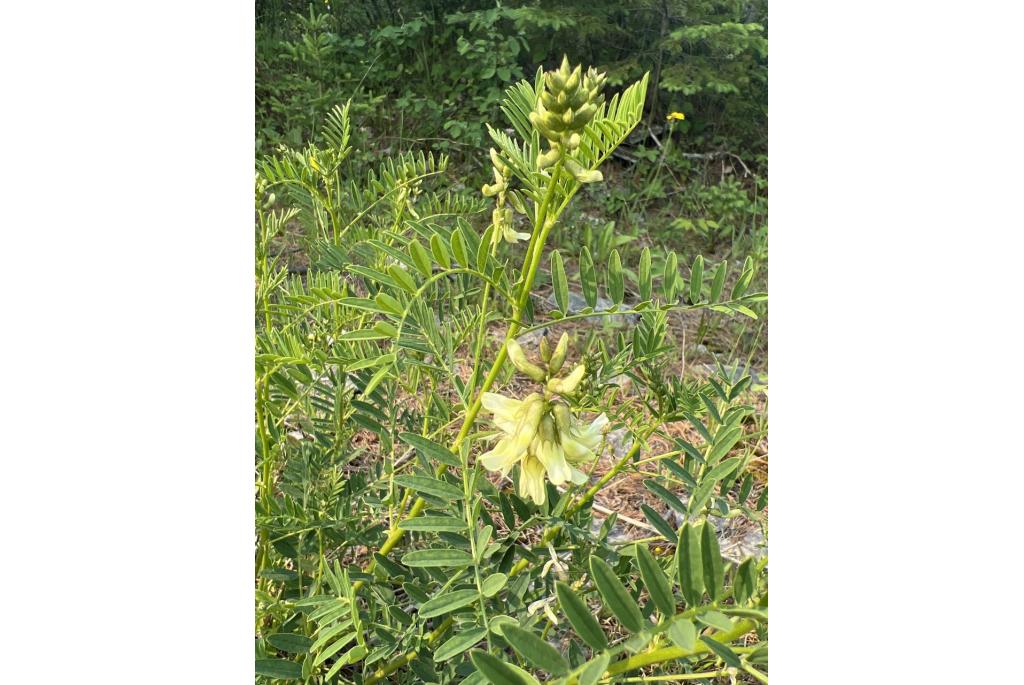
(426, 482)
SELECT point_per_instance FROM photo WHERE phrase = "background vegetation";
(428, 75)
(386, 554)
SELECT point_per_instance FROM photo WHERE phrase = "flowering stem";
(530, 264)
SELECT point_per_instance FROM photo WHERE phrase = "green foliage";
(432, 72)
(387, 552)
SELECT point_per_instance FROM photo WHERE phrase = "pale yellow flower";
(676, 116)
(543, 438)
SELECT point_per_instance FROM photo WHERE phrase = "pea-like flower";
(540, 432)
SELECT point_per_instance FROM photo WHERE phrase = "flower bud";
(545, 350)
(517, 202)
(519, 360)
(567, 385)
(557, 358)
(549, 158)
(583, 175)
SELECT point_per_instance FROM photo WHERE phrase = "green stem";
(665, 678)
(756, 673)
(657, 656)
(396, 534)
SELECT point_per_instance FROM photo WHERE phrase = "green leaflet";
(696, 279)
(670, 277)
(459, 643)
(459, 248)
(493, 584)
(615, 595)
(594, 670)
(430, 486)
(499, 672)
(292, 643)
(434, 523)
(447, 602)
(708, 482)
(440, 252)
(665, 496)
(588, 277)
(655, 581)
(430, 449)
(691, 572)
(660, 524)
(580, 616)
(644, 275)
(535, 650)
(727, 655)
(718, 281)
(403, 278)
(420, 257)
(683, 634)
(711, 562)
(559, 282)
(437, 557)
(616, 284)
(278, 669)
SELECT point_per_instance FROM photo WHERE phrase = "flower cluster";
(502, 215)
(541, 434)
(569, 102)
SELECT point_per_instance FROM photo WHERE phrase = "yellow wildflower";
(676, 116)
(541, 435)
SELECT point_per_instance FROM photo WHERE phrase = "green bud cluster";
(552, 364)
(569, 102)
